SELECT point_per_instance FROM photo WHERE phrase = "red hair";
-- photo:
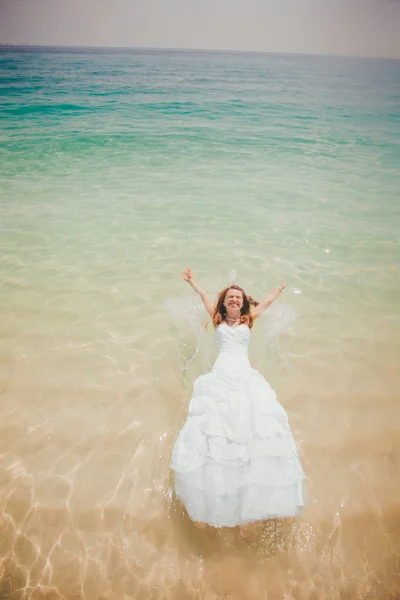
(245, 312)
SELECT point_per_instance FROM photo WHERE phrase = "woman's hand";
(282, 286)
(187, 275)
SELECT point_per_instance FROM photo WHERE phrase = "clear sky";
(355, 27)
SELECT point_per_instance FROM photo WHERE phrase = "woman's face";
(233, 299)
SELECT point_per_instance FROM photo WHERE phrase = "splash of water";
(276, 320)
(189, 318)
(232, 277)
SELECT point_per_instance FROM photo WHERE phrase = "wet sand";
(90, 512)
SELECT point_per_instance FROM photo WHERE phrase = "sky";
(349, 27)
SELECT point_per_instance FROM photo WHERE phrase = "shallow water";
(117, 171)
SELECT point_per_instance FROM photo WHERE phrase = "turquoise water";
(118, 169)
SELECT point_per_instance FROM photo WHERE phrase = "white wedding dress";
(235, 459)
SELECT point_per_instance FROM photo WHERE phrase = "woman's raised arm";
(267, 301)
(187, 276)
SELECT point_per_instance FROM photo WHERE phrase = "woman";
(235, 459)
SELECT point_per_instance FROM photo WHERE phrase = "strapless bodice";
(233, 339)
(233, 343)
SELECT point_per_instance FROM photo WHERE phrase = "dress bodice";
(233, 340)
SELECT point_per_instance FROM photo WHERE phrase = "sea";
(120, 168)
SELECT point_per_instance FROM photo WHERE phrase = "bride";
(235, 459)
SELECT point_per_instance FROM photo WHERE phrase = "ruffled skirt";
(235, 459)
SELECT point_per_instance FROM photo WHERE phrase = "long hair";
(245, 312)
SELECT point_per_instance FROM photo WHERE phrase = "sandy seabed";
(90, 513)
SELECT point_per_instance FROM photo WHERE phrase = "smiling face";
(233, 299)
(232, 305)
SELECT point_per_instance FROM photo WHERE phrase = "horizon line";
(194, 50)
